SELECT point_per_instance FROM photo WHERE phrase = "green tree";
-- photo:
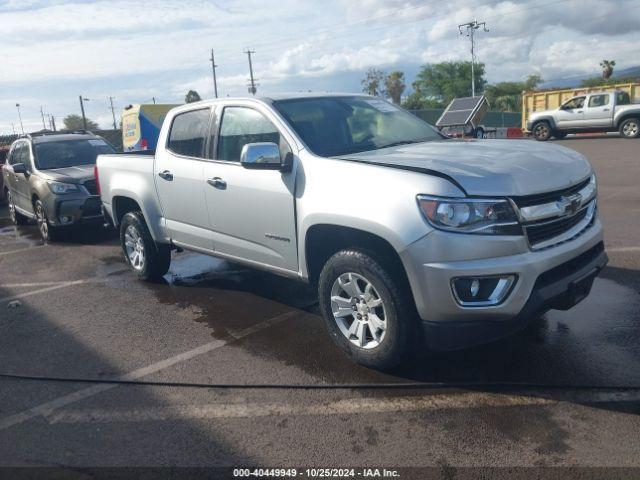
(394, 86)
(607, 68)
(601, 82)
(415, 101)
(192, 96)
(74, 122)
(532, 82)
(448, 80)
(507, 96)
(373, 82)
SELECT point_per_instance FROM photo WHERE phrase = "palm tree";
(607, 68)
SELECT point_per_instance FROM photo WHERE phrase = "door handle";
(218, 183)
(580, 111)
(166, 175)
(605, 109)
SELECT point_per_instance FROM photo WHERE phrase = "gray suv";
(49, 178)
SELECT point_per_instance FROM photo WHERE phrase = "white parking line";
(48, 407)
(623, 249)
(47, 289)
(347, 406)
(21, 250)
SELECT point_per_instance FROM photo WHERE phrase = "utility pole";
(252, 84)
(44, 125)
(52, 122)
(113, 112)
(213, 67)
(14, 128)
(154, 100)
(471, 27)
(20, 117)
(84, 118)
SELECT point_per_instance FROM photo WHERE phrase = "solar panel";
(463, 111)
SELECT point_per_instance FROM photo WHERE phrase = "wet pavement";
(81, 313)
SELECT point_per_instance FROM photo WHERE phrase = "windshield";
(333, 126)
(69, 153)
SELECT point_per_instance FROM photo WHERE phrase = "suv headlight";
(62, 188)
(470, 215)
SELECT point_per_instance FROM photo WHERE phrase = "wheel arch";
(549, 119)
(323, 240)
(627, 116)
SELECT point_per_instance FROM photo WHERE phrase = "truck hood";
(77, 174)
(488, 167)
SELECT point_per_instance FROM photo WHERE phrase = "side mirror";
(261, 156)
(19, 168)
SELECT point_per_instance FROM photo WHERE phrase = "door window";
(577, 102)
(623, 98)
(188, 133)
(598, 100)
(242, 125)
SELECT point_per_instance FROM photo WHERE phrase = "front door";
(252, 214)
(179, 170)
(571, 114)
(598, 112)
(19, 182)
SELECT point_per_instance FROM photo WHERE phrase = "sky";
(53, 51)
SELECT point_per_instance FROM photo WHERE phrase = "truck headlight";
(62, 188)
(470, 215)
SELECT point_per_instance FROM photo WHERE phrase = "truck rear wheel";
(541, 131)
(366, 312)
(149, 260)
(630, 128)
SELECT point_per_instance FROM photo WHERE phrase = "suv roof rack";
(42, 133)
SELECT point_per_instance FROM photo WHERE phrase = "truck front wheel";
(541, 131)
(366, 312)
(630, 128)
(149, 260)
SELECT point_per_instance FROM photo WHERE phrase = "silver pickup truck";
(591, 112)
(406, 234)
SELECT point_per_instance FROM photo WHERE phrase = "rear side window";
(242, 125)
(623, 98)
(598, 100)
(15, 154)
(188, 133)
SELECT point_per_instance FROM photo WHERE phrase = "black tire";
(48, 232)
(559, 135)
(16, 218)
(397, 310)
(541, 131)
(630, 128)
(155, 259)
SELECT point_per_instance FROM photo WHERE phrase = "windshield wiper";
(403, 142)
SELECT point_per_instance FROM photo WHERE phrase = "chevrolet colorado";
(405, 233)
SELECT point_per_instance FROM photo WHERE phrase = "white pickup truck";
(591, 112)
(406, 234)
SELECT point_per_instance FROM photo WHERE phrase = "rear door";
(252, 213)
(179, 170)
(571, 114)
(599, 112)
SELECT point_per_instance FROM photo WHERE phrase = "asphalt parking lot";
(72, 309)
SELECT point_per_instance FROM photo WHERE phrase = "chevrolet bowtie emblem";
(569, 205)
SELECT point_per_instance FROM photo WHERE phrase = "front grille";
(548, 197)
(91, 186)
(569, 267)
(544, 230)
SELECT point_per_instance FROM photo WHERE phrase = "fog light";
(482, 291)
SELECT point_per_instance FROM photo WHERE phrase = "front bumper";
(73, 211)
(546, 279)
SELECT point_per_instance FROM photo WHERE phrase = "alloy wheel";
(134, 246)
(630, 129)
(358, 310)
(12, 207)
(41, 218)
(541, 131)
